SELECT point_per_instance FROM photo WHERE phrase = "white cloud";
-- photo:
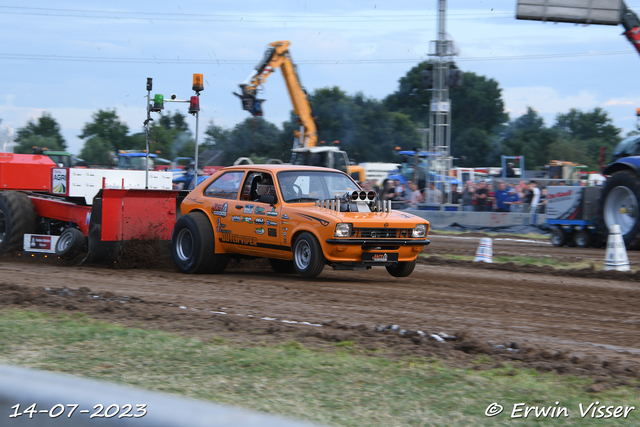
(545, 100)
(613, 102)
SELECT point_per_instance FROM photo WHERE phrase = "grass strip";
(504, 234)
(342, 387)
(529, 260)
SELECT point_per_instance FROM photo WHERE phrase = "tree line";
(369, 129)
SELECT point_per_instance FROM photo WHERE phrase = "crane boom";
(604, 12)
(277, 56)
(631, 24)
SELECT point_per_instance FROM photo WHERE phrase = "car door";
(258, 221)
(219, 199)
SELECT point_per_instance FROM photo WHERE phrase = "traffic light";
(427, 79)
(455, 78)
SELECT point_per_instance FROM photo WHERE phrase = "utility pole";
(440, 108)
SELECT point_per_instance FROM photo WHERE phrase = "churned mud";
(576, 321)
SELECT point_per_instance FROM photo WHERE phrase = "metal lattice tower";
(440, 108)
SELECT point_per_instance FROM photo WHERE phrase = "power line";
(98, 59)
(164, 16)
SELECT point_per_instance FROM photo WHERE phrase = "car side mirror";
(267, 198)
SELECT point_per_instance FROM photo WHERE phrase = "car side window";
(257, 184)
(226, 186)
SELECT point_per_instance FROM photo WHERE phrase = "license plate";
(379, 257)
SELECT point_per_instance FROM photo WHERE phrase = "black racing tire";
(402, 269)
(99, 251)
(582, 238)
(619, 204)
(17, 218)
(308, 259)
(70, 243)
(558, 237)
(282, 266)
(193, 246)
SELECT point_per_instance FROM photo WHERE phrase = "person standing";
(535, 198)
(388, 192)
(468, 196)
(431, 195)
(502, 198)
(491, 198)
(455, 196)
(481, 197)
(416, 196)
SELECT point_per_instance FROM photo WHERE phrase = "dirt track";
(571, 322)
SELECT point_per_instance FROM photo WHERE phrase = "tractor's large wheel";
(193, 246)
(17, 218)
(619, 205)
(308, 258)
(70, 243)
(402, 269)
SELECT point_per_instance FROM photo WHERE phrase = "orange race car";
(299, 217)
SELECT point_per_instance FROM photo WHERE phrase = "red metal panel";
(63, 211)
(138, 214)
(25, 172)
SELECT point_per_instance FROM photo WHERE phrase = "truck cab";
(328, 157)
(627, 147)
(129, 160)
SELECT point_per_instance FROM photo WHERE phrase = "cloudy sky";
(72, 58)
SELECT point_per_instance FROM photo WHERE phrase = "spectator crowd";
(478, 196)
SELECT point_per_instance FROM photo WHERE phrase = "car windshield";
(307, 186)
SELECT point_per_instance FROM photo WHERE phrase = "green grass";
(342, 386)
(530, 260)
(534, 236)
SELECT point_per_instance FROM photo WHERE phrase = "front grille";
(382, 233)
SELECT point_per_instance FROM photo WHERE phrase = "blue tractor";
(618, 201)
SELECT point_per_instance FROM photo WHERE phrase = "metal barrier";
(63, 400)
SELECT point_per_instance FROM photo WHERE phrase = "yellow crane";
(305, 148)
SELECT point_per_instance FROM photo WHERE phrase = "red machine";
(44, 208)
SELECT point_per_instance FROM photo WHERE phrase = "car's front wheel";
(308, 258)
(402, 269)
(193, 245)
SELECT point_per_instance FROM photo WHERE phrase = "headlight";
(419, 231)
(343, 229)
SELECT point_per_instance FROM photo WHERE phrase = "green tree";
(169, 137)
(477, 105)
(25, 145)
(411, 98)
(365, 127)
(581, 134)
(97, 151)
(254, 137)
(527, 136)
(44, 127)
(106, 126)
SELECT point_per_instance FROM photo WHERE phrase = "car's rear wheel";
(402, 269)
(193, 246)
(308, 258)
